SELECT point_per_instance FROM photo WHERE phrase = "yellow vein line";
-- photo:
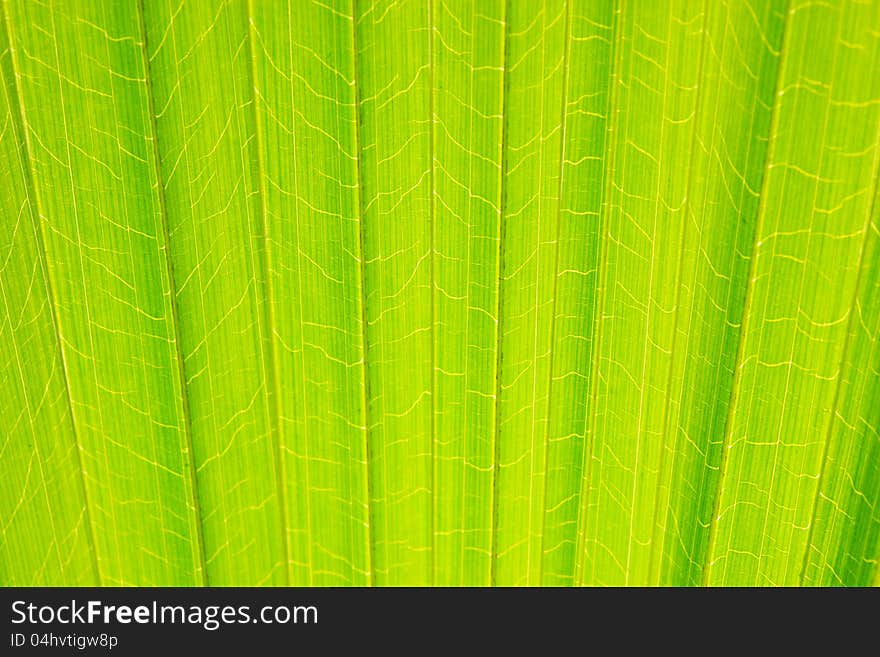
(563, 122)
(273, 391)
(499, 304)
(602, 275)
(365, 388)
(658, 541)
(185, 157)
(862, 265)
(44, 265)
(154, 442)
(747, 315)
(165, 237)
(306, 485)
(432, 484)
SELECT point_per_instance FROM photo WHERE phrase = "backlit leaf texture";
(440, 292)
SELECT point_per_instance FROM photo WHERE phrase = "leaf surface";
(390, 292)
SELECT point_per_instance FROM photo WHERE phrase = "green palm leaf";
(450, 292)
